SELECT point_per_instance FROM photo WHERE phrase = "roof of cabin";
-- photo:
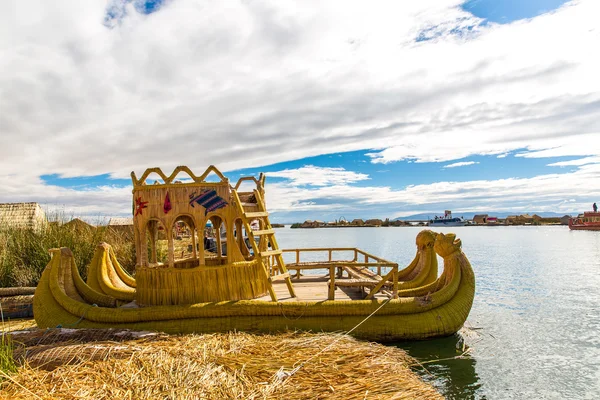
(120, 221)
(22, 215)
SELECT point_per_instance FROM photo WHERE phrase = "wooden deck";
(314, 288)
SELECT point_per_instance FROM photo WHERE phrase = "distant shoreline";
(420, 226)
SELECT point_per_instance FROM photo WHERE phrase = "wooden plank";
(258, 214)
(382, 282)
(270, 253)
(339, 263)
(263, 232)
(355, 282)
(280, 277)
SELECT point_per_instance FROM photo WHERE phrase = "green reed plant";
(7, 362)
(24, 252)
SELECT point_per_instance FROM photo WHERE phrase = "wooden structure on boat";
(249, 286)
(238, 274)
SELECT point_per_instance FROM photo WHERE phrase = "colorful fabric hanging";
(208, 199)
(167, 206)
(140, 205)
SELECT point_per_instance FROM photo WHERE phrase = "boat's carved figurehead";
(425, 238)
(446, 245)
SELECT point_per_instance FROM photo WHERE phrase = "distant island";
(422, 220)
(353, 224)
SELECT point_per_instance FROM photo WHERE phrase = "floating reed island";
(117, 364)
(246, 282)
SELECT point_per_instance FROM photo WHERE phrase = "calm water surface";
(535, 322)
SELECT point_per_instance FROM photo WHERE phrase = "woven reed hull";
(439, 314)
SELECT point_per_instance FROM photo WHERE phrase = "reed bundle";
(169, 286)
(106, 364)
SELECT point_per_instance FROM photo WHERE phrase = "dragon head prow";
(425, 238)
(446, 244)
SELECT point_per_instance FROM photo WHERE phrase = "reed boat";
(258, 289)
(588, 221)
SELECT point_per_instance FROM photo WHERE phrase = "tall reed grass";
(24, 252)
(7, 362)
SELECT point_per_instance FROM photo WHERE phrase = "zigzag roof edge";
(182, 168)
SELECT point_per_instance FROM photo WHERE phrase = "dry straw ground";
(107, 364)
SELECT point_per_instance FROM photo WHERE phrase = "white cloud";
(241, 84)
(551, 192)
(319, 176)
(460, 164)
(577, 162)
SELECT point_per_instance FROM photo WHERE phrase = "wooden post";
(332, 283)
(218, 237)
(143, 259)
(152, 226)
(171, 248)
(195, 244)
(138, 244)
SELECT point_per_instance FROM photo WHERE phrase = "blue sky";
(373, 110)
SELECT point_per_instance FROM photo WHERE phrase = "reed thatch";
(104, 364)
(79, 225)
(22, 216)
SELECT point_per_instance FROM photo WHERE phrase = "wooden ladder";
(266, 230)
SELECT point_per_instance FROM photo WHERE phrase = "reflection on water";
(447, 365)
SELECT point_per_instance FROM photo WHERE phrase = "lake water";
(535, 322)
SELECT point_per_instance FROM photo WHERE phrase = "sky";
(353, 109)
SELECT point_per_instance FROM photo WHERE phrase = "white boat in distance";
(447, 220)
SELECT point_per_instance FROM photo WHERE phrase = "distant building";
(374, 222)
(22, 216)
(492, 221)
(480, 219)
(564, 220)
(525, 218)
(312, 224)
(357, 222)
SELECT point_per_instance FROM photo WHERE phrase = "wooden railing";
(357, 258)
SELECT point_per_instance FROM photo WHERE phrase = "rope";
(59, 326)
(281, 376)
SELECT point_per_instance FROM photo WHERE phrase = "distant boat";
(447, 220)
(589, 221)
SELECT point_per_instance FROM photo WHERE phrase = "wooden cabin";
(480, 219)
(22, 216)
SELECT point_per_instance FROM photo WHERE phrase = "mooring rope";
(282, 376)
(59, 326)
